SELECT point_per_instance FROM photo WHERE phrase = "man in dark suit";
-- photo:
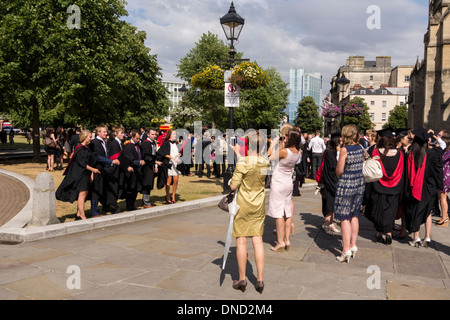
(102, 163)
(148, 148)
(131, 161)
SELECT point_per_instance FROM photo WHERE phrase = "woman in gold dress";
(249, 178)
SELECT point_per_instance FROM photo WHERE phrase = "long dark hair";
(333, 143)
(293, 140)
(386, 143)
(418, 151)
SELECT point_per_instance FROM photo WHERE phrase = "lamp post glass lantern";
(342, 83)
(232, 25)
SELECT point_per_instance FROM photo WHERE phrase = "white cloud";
(317, 35)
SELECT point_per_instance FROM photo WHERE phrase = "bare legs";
(50, 162)
(241, 253)
(349, 230)
(444, 208)
(80, 204)
(170, 198)
(284, 227)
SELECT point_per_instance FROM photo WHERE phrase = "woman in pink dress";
(281, 187)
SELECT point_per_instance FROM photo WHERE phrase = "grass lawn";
(20, 143)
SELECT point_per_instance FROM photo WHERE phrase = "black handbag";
(223, 204)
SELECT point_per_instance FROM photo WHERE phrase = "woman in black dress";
(78, 176)
(425, 175)
(383, 201)
(329, 180)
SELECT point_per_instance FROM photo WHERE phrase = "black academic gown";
(101, 162)
(148, 148)
(131, 158)
(384, 200)
(163, 170)
(114, 190)
(77, 177)
(417, 211)
(329, 181)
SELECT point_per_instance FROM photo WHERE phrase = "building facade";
(429, 94)
(174, 95)
(381, 101)
(303, 83)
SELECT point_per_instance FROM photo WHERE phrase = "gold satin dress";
(249, 176)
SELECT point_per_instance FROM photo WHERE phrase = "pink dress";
(281, 187)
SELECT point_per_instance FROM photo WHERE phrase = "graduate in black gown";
(150, 169)
(386, 193)
(329, 180)
(104, 164)
(78, 175)
(131, 162)
(425, 175)
(115, 181)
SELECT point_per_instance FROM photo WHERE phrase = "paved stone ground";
(14, 195)
(179, 256)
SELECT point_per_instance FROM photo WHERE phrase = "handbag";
(223, 204)
(50, 143)
(372, 168)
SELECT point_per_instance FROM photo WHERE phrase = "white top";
(317, 145)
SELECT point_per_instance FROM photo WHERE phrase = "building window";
(372, 116)
(372, 103)
(383, 91)
(371, 78)
(406, 78)
(363, 91)
(383, 117)
(402, 103)
(384, 104)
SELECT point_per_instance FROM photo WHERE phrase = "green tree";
(307, 115)
(100, 73)
(262, 108)
(398, 118)
(363, 121)
(209, 50)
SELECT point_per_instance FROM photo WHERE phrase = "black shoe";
(388, 240)
(132, 209)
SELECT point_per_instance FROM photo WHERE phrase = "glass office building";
(303, 83)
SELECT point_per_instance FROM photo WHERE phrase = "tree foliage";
(362, 121)
(100, 73)
(398, 118)
(307, 116)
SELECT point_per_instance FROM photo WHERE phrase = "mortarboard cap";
(402, 131)
(421, 135)
(388, 132)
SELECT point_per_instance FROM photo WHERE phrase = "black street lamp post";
(183, 90)
(342, 83)
(232, 25)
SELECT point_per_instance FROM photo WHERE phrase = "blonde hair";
(117, 130)
(350, 135)
(372, 133)
(84, 134)
(100, 127)
(286, 128)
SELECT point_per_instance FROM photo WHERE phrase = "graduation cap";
(335, 135)
(421, 135)
(402, 132)
(388, 132)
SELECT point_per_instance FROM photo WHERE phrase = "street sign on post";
(231, 95)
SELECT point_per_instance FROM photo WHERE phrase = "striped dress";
(350, 186)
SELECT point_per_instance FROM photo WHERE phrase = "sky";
(318, 35)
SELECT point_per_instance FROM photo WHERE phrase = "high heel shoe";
(287, 247)
(345, 256)
(353, 250)
(415, 243)
(240, 285)
(259, 286)
(442, 224)
(280, 249)
(426, 242)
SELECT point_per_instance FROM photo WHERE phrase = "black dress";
(417, 210)
(77, 177)
(115, 182)
(148, 170)
(330, 180)
(386, 193)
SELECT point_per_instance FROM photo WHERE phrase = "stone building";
(429, 93)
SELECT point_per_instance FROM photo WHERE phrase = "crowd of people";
(116, 164)
(110, 164)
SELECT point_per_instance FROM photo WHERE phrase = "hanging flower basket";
(211, 77)
(248, 75)
(353, 110)
(331, 111)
